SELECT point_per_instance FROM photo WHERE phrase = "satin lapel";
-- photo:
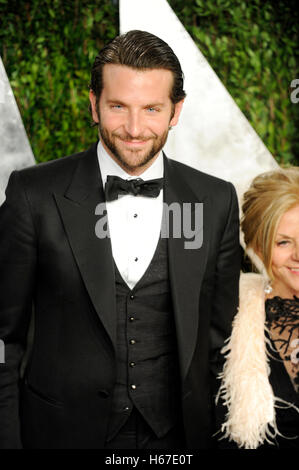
(93, 255)
(186, 267)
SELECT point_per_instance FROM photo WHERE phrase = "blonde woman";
(260, 380)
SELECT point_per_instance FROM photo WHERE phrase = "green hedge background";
(48, 47)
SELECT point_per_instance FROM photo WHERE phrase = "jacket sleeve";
(17, 273)
(226, 288)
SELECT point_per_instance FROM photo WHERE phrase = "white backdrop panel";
(15, 150)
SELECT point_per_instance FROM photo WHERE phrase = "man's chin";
(135, 160)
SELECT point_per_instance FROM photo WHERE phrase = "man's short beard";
(158, 144)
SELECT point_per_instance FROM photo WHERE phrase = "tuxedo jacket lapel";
(93, 255)
(186, 268)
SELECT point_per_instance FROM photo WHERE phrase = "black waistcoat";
(147, 363)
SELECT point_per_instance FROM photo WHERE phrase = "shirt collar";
(109, 167)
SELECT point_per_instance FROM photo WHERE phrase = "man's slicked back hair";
(138, 50)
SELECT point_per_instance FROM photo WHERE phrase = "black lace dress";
(282, 316)
(282, 321)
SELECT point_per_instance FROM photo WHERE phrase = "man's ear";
(177, 111)
(94, 111)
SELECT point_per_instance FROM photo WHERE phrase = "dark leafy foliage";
(48, 47)
(253, 47)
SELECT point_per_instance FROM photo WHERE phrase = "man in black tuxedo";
(113, 337)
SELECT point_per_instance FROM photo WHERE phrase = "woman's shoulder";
(252, 279)
(252, 287)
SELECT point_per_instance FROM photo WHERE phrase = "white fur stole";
(245, 386)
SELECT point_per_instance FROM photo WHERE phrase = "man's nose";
(133, 124)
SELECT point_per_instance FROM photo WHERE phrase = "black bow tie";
(115, 186)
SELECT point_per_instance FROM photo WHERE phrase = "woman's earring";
(268, 288)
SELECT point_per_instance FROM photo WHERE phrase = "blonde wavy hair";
(270, 195)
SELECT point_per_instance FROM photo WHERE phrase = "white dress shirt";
(134, 221)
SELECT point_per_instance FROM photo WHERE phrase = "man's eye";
(116, 106)
(151, 109)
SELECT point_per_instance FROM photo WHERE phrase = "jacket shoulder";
(52, 169)
(221, 193)
(195, 176)
(55, 174)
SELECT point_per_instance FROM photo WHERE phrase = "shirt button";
(136, 259)
(132, 297)
(135, 215)
(133, 387)
(131, 318)
(132, 364)
(132, 341)
(126, 408)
